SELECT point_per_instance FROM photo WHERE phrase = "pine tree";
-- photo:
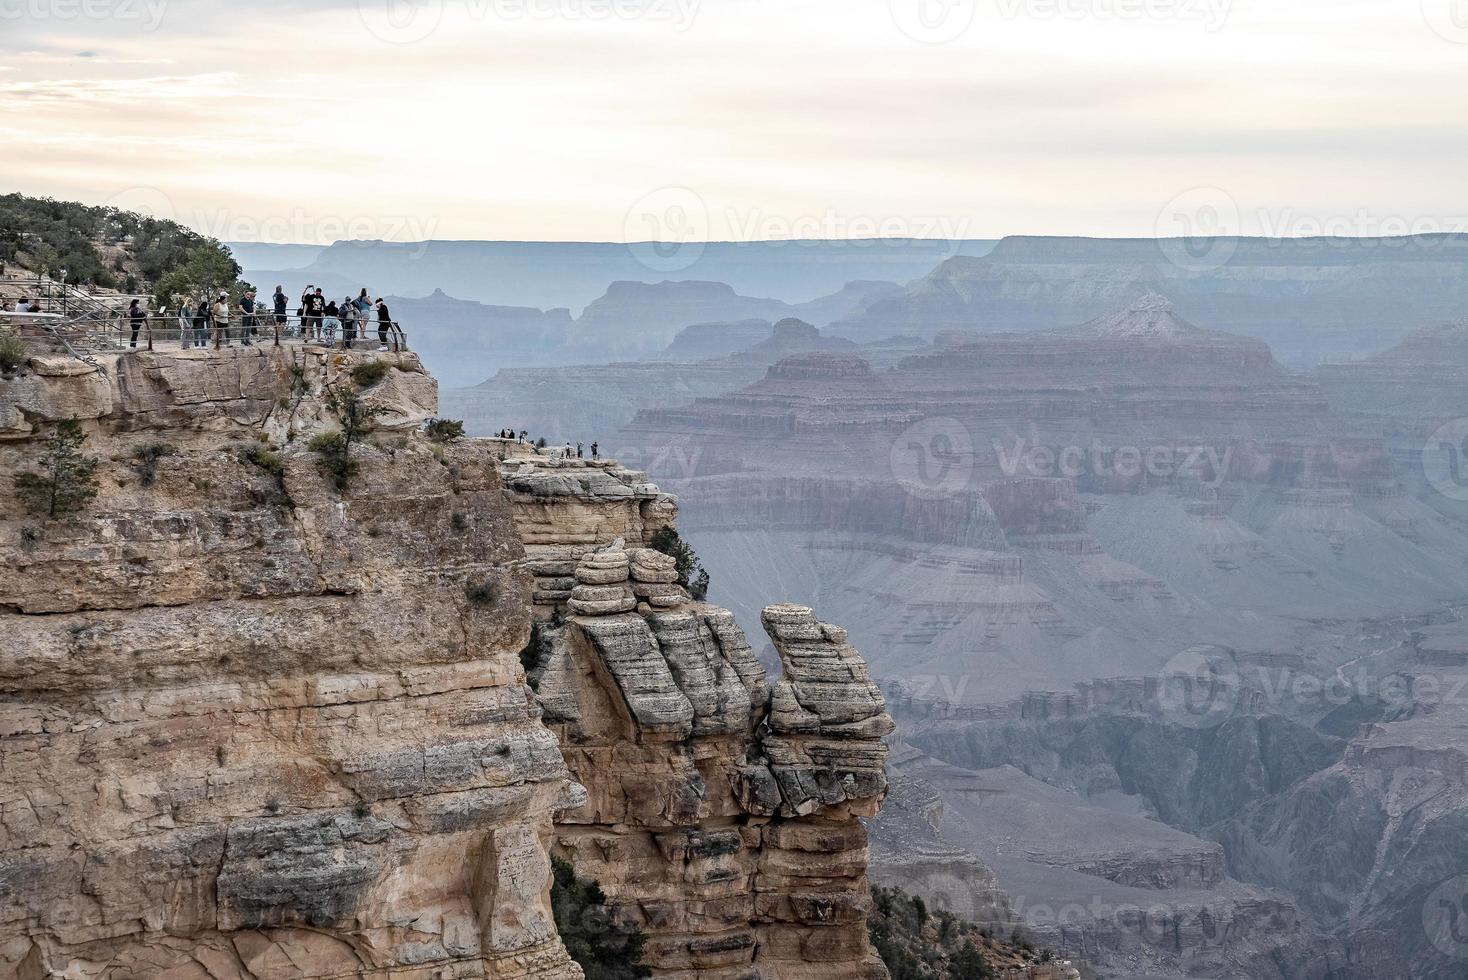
(67, 480)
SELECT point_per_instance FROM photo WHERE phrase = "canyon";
(254, 727)
(1047, 541)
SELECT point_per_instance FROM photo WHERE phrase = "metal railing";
(123, 334)
(63, 298)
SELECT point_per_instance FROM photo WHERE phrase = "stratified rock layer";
(253, 728)
(721, 816)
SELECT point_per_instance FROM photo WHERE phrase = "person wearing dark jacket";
(136, 318)
(384, 323)
(280, 304)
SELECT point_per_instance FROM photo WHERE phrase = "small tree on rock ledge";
(67, 481)
(691, 573)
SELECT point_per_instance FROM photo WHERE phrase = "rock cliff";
(255, 728)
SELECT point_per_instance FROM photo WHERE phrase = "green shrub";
(67, 481)
(12, 354)
(267, 459)
(334, 449)
(691, 573)
(444, 430)
(145, 460)
(605, 949)
(334, 457)
(369, 373)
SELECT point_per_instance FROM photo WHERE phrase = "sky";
(626, 120)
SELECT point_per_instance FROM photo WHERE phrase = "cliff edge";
(256, 725)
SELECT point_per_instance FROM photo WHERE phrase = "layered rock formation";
(1309, 298)
(253, 728)
(722, 810)
(1027, 530)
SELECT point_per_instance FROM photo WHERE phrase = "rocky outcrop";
(253, 728)
(721, 812)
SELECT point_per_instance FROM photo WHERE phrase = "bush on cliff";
(691, 573)
(444, 430)
(334, 449)
(369, 373)
(12, 353)
(604, 949)
(917, 946)
(67, 481)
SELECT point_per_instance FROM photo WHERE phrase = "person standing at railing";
(278, 300)
(315, 313)
(221, 321)
(185, 321)
(384, 323)
(348, 313)
(137, 318)
(362, 310)
(247, 317)
(330, 323)
(201, 322)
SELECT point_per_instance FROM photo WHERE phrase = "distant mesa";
(1151, 315)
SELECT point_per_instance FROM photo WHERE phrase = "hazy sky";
(610, 120)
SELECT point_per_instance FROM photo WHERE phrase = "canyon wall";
(253, 727)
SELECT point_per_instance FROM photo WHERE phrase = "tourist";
(579, 454)
(348, 313)
(595, 451)
(524, 436)
(185, 321)
(384, 323)
(363, 308)
(137, 318)
(221, 321)
(247, 317)
(201, 322)
(315, 313)
(330, 323)
(278, 301)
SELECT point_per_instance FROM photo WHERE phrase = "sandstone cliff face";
(251, 728)
(721, 813)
